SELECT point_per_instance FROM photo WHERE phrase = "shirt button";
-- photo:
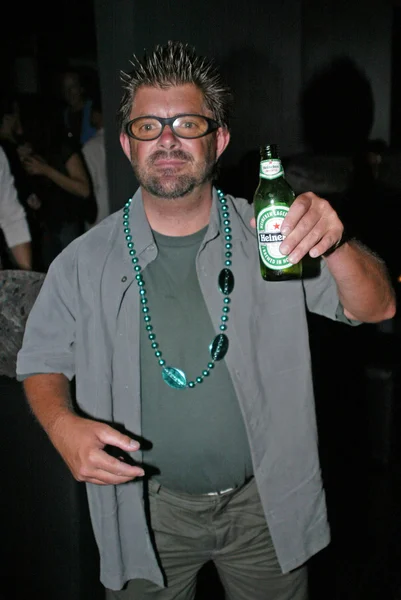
(123, 279)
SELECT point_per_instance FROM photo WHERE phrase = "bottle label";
(271, 169)
(268, 227)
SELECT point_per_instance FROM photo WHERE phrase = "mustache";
(174, 154)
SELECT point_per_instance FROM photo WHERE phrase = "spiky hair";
(171, 65)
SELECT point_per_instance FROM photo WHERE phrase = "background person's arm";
(76, 182)
(13, 218)
(22, 254)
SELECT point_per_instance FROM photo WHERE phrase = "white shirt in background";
(95, 155)
(12, 214)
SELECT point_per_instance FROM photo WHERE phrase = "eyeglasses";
(186, 126)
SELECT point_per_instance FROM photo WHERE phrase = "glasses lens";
(190, 126)
(145, 128)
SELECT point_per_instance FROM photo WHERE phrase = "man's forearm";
(49, 398)
(363, 283)
(22, 254)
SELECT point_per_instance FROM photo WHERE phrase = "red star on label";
(276, 226)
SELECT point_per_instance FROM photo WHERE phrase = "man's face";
(71, 89)
(170, 166)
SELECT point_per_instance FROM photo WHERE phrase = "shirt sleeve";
(321, 296)
(12, 214)
(48, 344)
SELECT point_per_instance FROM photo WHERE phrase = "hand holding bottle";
(311, 226)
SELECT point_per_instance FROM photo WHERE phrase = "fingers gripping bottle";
(272, 200)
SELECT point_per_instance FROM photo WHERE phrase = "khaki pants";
(229, 529)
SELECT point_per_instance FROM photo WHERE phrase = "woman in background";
(60, 179)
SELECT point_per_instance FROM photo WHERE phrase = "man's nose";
(168, 139)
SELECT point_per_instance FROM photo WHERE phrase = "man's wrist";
(346, 237)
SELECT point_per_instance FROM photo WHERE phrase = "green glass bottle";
(272, 200)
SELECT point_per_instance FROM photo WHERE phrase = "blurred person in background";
(94, 152)
(13, 220)
(60, 180)
(12, 141)
(77, 113)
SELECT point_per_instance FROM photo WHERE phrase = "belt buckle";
(221, 492)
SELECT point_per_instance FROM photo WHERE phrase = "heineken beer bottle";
(272, 200)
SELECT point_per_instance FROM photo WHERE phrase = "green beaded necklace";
(173, 376)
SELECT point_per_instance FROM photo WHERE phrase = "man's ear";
(222, 140)
(125, 145)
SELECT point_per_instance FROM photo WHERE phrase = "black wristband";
(343, 239)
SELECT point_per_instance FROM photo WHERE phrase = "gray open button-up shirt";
(85, 323)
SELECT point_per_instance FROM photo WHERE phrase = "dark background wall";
(267, 51)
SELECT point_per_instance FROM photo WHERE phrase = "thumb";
(253, 222)
(109, 435)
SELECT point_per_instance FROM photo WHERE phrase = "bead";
(226, 222)
(152, 336)
(227, 229)
(132, 252)
(227, 300)
(210, 365)
(219, 346)
(228, 246)
(158, 353)
(141, 282)
(127, 230)
(130, 245)
(149, 327)
(223, 327)
(145, 309)
(162, 362)
(205, 373)
(226, 309)
(146, 318)
(224, 207)
(228, 254)
(144, 300)
(138, 268)
(228, 238)
(225, 215)
(155, 345)
(175, 378)
(199, 379)
(191, 384)
(226, 281)
(134, 260)
(228, 263)
(128, 238)
(125, 223)
(224, 318)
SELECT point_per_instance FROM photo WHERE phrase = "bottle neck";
(269, 152)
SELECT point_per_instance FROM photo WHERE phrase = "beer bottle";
(272, 200)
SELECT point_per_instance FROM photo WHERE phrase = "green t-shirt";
(198, 437)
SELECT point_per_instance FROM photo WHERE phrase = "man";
(94, 152)
(13, 221)
(142, 311)
(78, 106)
